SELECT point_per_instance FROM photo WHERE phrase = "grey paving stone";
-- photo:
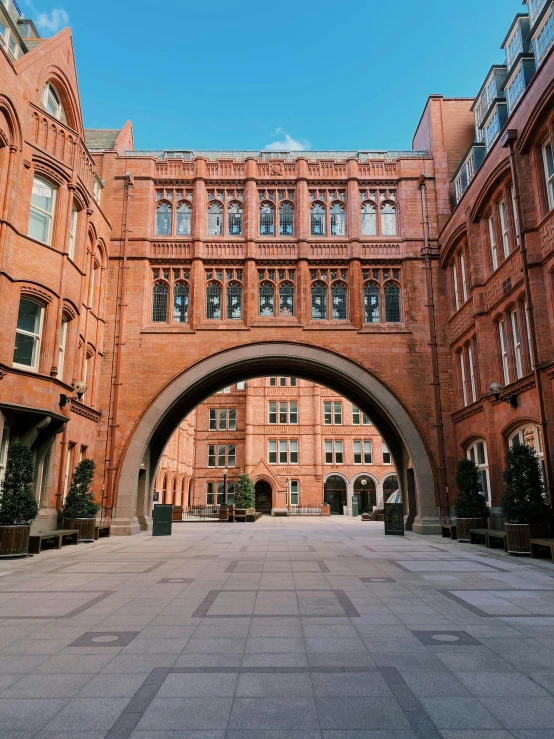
(73, 663)
(480, 659)
(199, 685)
(92, 713)
(177, 734)
(47, 686)
(522, 712)
(274, 713)
(337, 659)
(500, 684)
(113, 686)
(353, 713)
(378, 734)
(201, 713)
(222, 645)
(28, 714)
(81, 734)
(432, 684)
(209, 660)
(334, 644)
(459, 713)
(275, 660)
(277, 627)
(268, 645)
(139, 662)
(350, 684)
(269, 734)
(252, 685)
(481, 734)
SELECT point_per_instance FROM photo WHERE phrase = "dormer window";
(514, 47)
(52, 102)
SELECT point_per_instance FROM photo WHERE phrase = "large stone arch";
(152, 431)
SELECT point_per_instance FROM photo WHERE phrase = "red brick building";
(407, 282)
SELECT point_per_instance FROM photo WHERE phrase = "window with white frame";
(4, 452)
(528, 331)
(516, 338)
(28, 334)
(334, 452)
(386, 454)
(549, 172)
(456, 291)
(332, 414)
(223, 419)
(357, 415)
(72, 232)
(8, 40)
(221, 455)
(294, 488)
(61, 346)
(544, 38)
(514, 46)
(477, 452)
(357, 446)
(504, 227)
(529, 434)
(241, 385)
(514, 211)
(493, 129)
(41, 216)
(52, 102)
(492, 240)
(472, 378)
(463, 276)
(368, 452)
(283, 412)
(504, 351)
(516, 88)
(214, 489)
(463, 376)
(283, 451)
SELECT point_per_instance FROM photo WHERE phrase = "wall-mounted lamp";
(79, 387)
(496, 389)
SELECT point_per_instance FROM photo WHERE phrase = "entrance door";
(335, 494)
(262, 492)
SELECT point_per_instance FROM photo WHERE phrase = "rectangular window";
(272, 454)
(327, 414)
(209, 493)
(463, 376)
(549, 172)
(41, 216)
(293, 412)
(504, 351)
(283, 381)
(227, 389)
(232, 419)
(472, 374)
(230, 493)
(211, 455)
(220, 493)
(463, 275)
(283, 452)
(213, 419)
(221, 454)
(516, 336)
(328, 452)
(355, 416)
(528, 327)
(339, 456)
(357, 452)
(272, 412)
(386, 454)
(294, 451)
(337, 414)
(294, 492)
(61, 347)
(516, 89)
(231, 456)
(368, 452)
(504, 228)
(283, 412)
(241, 385)
(223, 419)
(72, 232)
(293, 381)
(28, 334)
(455, 279)
(272, 382)
(492, 239)
(545, 37)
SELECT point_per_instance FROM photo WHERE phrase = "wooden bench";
(448, 530)
(475, 534)
(538, 544)
(53, 539)
(494, 534)
(102, 530)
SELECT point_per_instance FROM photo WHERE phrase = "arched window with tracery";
(266, 299)
(215, 219)
(388, 219)
(163, 219)
(338, 227)
(234, 218)
(52, 102)
(267, 220)
(180, 302)
(234, 301)
(160, 294)
(213, 300)
(372, 312)
(184, 220)
(339, 295)
(392, 302)
(319, 301)
(317, 219)
(286, 220)
(369, 219)
(286, 299)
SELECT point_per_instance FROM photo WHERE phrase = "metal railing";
(13, 8)
(304, 511)
(201, 513)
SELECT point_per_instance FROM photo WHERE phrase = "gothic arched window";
(338, 301)
(319, 301)
(317, 220)
(286, 299)
(286, 220)
(183, 220)
(213, 300)
(234, 219)
(180, 302)
(371, 303)
(388, 219)
(369, 219)
(337, 220)
(267, 299)
(215, 220)
(163, 219)
(159, 302)
(267, 220)
(234, 301)
(392, 302)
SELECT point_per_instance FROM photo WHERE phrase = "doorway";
(335, 494)
(262, 491)
(365, 491)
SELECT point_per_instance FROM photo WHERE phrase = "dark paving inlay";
(135, 709)
(346, 603)
(446, 638)
(206, 604)
(322, 566)
(231, 566)
(412, 708)
(177, 580)
(377, 579)
(70, 614)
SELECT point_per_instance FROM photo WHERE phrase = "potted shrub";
(80, 508)
(524, 503)
(471, 507)
(245, 496)
(18, 506)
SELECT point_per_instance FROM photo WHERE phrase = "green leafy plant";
(18, 506)
(524, 499)
(470, 502)
(244, 492)
(80, 502)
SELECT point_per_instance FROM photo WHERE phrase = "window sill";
(167, 328)
(384, 328)
(330, 326)
(218, 325)
(268, 322)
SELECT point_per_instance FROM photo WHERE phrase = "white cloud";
(52, 21)
(287, 143)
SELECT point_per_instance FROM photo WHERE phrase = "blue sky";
(242, 75)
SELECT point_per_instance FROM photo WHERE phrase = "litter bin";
(162, 517)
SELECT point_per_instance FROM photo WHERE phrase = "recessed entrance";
(263, 494)
(366, 493)
(334, 494)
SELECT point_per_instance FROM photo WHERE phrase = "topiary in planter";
(18, 506)
(245, 496)
(472, 510)
(79, 503)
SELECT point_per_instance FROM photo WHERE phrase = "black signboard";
(162, 518)
(394, 519)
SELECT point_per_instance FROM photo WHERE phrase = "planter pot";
(325, 510)
(519, 535)
(86, 527)
(14, 541)
(463, 525)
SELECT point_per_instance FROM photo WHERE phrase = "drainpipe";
(439, 425)
(108, 493)
(508, 141)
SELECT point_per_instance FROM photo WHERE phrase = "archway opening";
(263, 493)
(365, 491)
(334, 493)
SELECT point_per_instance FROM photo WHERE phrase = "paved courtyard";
(283, 629)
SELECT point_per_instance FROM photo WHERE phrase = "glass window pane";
(221, 456)
(39, 225)
(231, 457)
(223, 419)
(273, 452)
(371, 303)
(159, 302)
(327, 415)
(180, 303)
(213, 301)
(28, 318)
(266, 299)
(273, 412)
(24, 352)
(319, 301)
(213, 425)
(232, 419)
(338, 452)
(294, 452)
(392, 303)
(286, 299)
(338, 298)
(286, 220)
(293, 412)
